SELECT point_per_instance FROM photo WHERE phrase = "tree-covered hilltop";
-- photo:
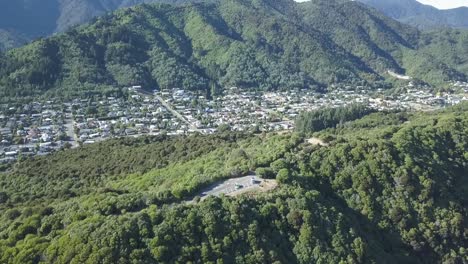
(387, 188)
(246, 43)
(384, 44)
(10, 39)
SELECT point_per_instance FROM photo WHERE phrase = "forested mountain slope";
(388, 188)
(246, 43)
(10, 39)
(25, 20)
(422, 16)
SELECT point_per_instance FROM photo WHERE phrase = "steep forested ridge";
(387, 188)
(421, 16)
(24, 20)
(252, 44)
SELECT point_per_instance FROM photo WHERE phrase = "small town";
(39, 128)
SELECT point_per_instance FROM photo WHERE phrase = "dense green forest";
(22, 21)
(10, 39)
(262, 44)
(388, 188)
(330, 117)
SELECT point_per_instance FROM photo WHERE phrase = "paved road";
(273, 112)
(171, 109)
(229, 186)
(317, 141)
(71, 133)
(177, 114)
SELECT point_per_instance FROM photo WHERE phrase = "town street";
(71, 133)
(177, 114)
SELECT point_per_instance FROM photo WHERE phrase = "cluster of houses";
(237, 110)
(31, 129)
(291, 103)
(243, 110)
(39, 128)
(462, 85)
(107, 117)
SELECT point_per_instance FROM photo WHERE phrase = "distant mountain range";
(419, 15)
(267, 44)
(24, 20)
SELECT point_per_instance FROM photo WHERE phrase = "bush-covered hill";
(24, 20)
(9, 39)
(388, 188)
(246, 43)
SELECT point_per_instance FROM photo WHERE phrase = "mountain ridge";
(251, 44)
(32, 19)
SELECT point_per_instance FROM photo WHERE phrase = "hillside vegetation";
(387, 188)
(261, 44)
(24, 20)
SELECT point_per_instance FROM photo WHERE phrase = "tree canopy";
(388, 188)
